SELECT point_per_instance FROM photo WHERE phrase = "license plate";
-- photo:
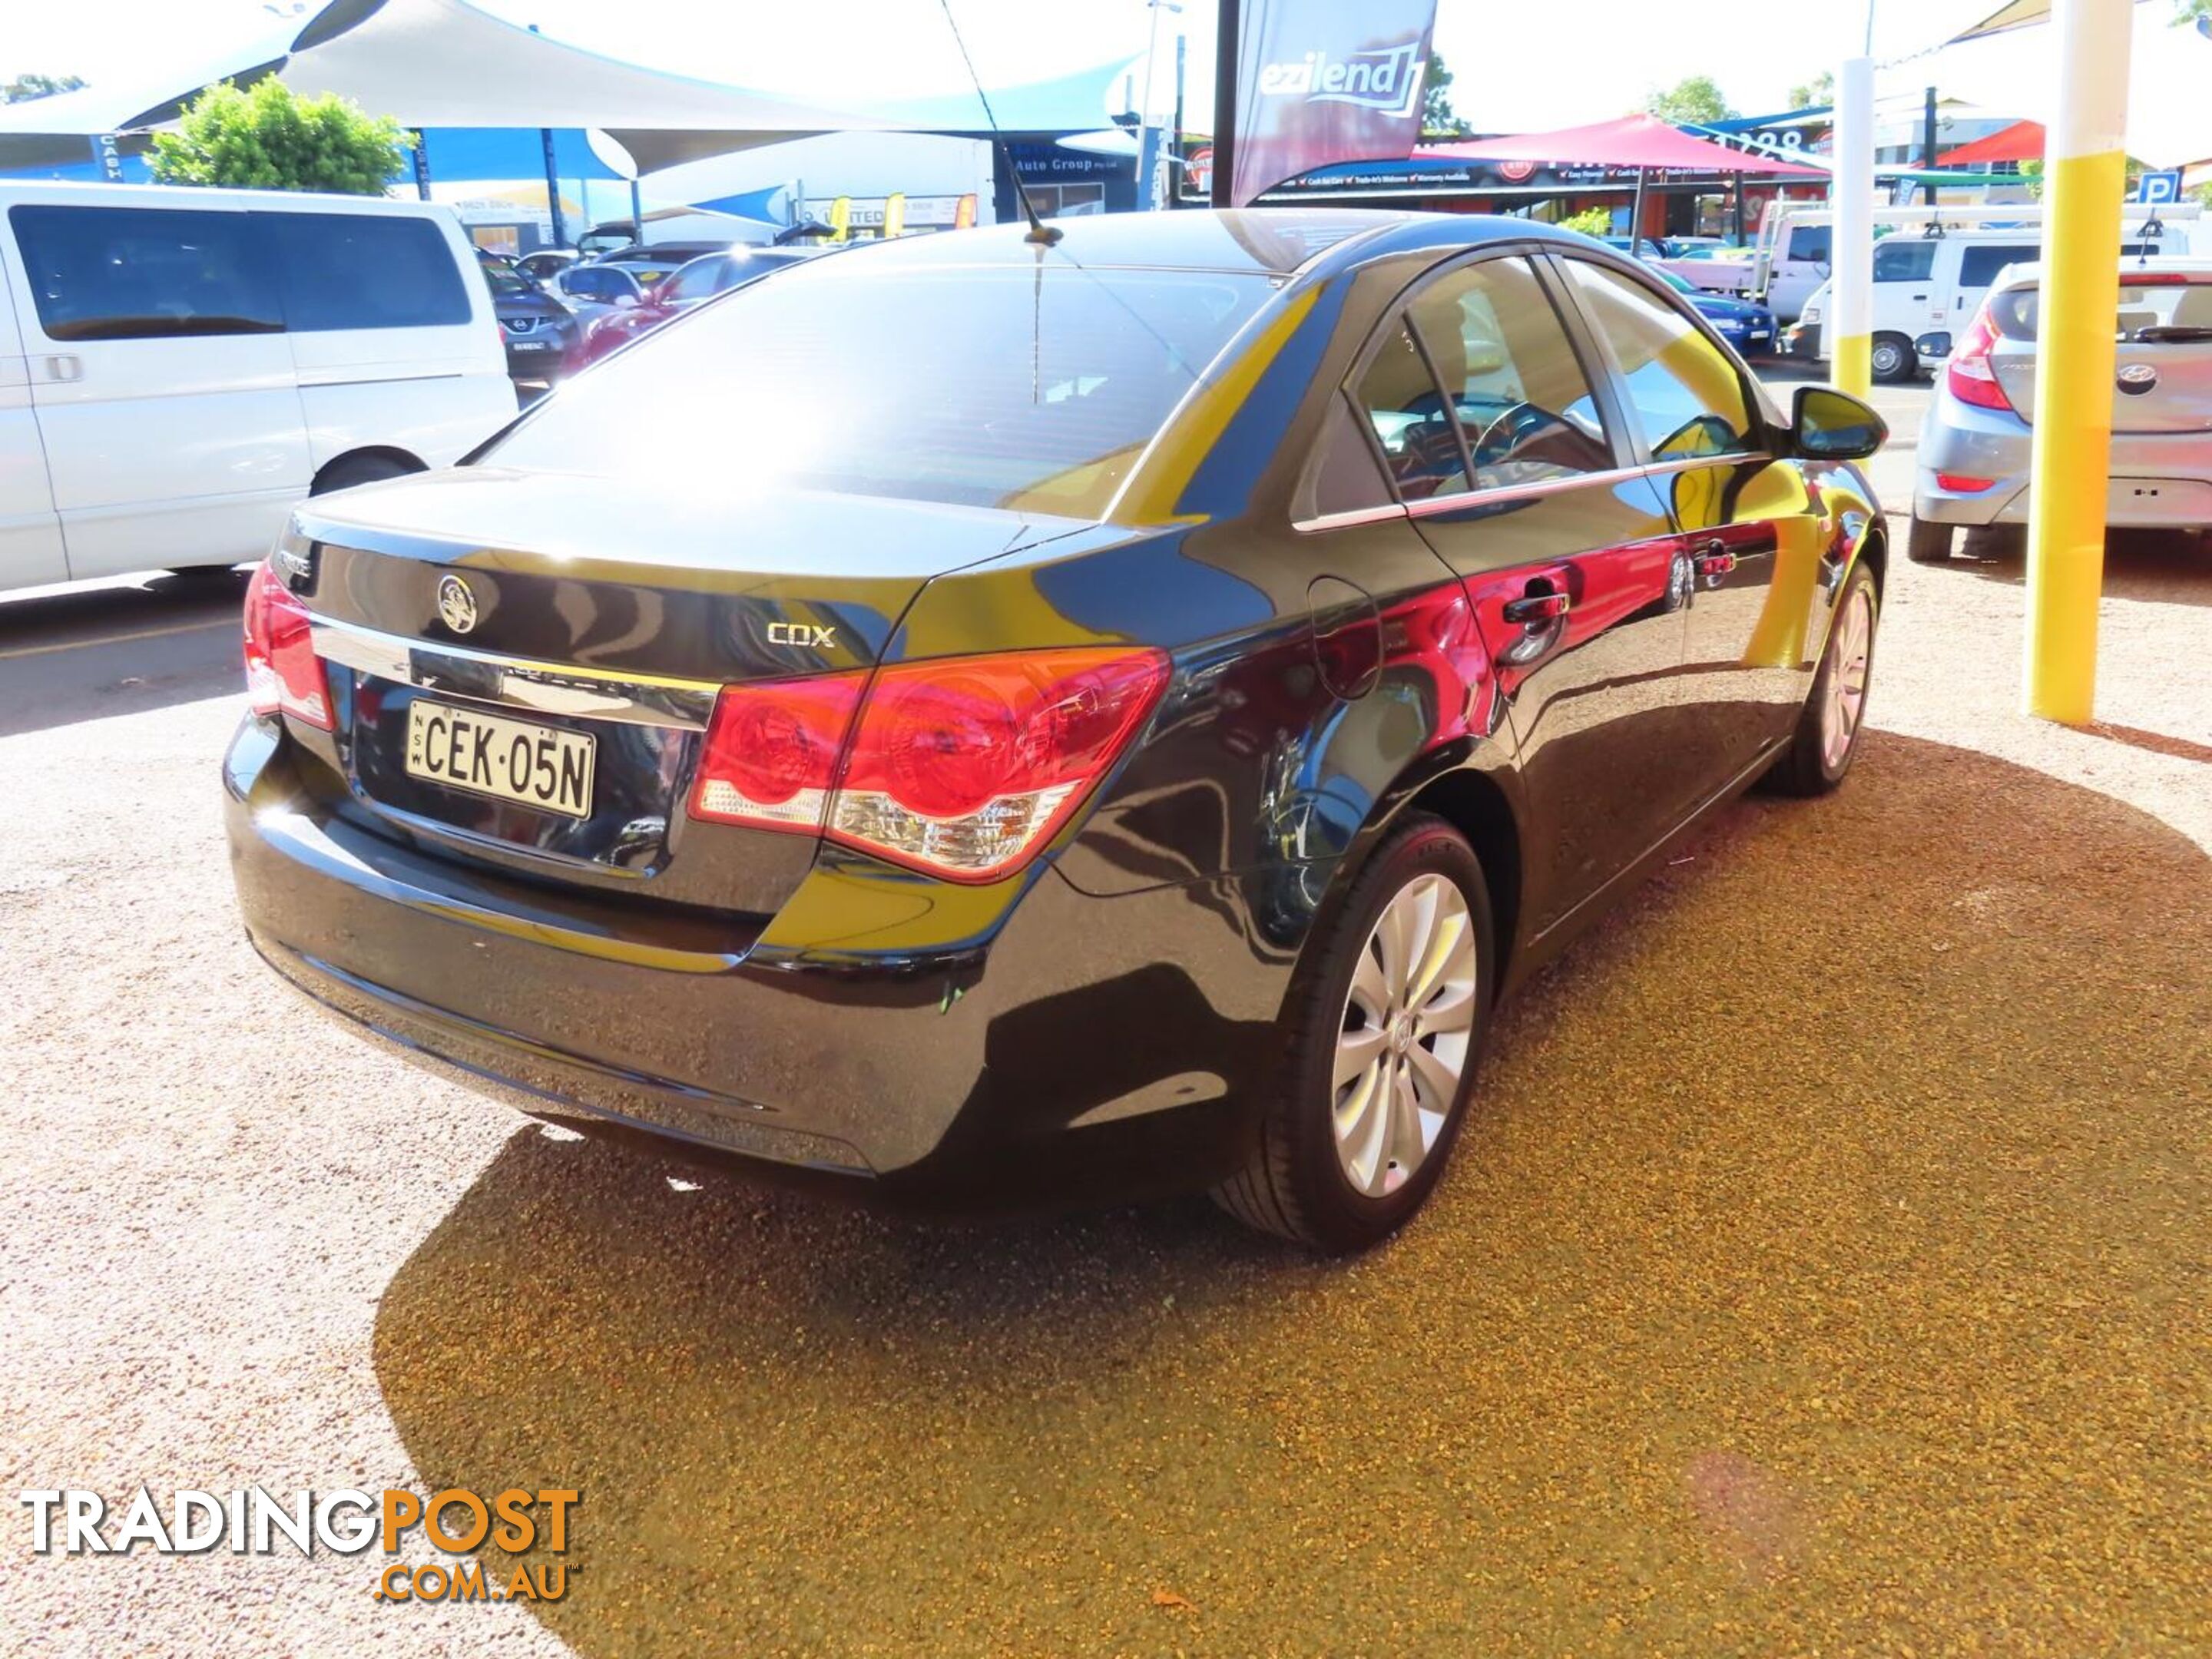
(528, 346)
(507, 760)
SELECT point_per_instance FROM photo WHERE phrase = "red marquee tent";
(2021, 142)
(1635, 141)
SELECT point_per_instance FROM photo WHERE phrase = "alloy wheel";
(1850, 645)
(1408, 1030)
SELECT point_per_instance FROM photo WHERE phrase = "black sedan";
(1107, 717)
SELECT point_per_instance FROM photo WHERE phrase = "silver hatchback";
(1975, 447)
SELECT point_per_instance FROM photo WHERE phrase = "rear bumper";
(2156, 480)
(999, 1048)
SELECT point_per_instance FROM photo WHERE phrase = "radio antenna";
(1042, 234)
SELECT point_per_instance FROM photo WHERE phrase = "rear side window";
(1400, 398)
(1516, 385)
(102, 273)
(1682, 389)
(341, 270)
(700, 280)
(1344, 477)
(1978, 266)
(1904, 259)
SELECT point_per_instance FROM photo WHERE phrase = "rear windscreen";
(1032, 387)
(2149, 312)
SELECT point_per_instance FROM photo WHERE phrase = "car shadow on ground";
(1824, 1266)
(2158, 567)
(87, 653)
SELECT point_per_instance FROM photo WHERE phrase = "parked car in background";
(538, 328)
(694, 283)
(546, 263)
(1924, 285)
(667, 254)
(1976, 443)
(1009, 723)
(1749, 328)
(594, 290)
(189, 364)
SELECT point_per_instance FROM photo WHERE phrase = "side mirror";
(1937, 344)
(1828, 425)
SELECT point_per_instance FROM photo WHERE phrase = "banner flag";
(1320, 82)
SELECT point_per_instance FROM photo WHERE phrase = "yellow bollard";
(1850, 232)
(2085, 183)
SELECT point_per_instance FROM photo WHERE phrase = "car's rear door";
(1513, 475)
(1752, 534)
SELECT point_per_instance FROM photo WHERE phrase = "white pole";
(1148, 142)
(1850, 236)
(2084, 182)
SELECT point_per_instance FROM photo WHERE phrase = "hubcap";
(1408, 1023)
(1850, 645)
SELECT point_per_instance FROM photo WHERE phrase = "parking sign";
(2159, 187)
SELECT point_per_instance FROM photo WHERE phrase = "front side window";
(1899, 260)
(1033, 387)
(1809, 242)
(700, 280)
(341, 270)
(1682, 389)
(101, 273)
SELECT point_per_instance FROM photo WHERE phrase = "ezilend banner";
(1325, 81)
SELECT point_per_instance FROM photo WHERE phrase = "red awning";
(2021, 142)
(1636, 141)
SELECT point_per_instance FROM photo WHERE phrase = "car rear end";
(1975, 449)
(657, 790)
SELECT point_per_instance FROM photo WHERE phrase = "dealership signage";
(1320, 81)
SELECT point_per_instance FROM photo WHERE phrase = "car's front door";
(162, 380)
(1514, 475)
(30, 533)
(1754, 537)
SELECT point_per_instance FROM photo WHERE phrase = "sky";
(1518, 68)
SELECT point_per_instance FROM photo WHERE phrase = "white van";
(178, 367)
(1927, 284)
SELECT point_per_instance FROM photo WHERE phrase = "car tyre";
(1342, 1166)
(1926, 543)
(1893, 359)
(350, 470)
(1827, 739)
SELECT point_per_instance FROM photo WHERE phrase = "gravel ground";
(1825, 1269)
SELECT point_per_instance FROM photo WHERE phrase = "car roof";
(1268, 241)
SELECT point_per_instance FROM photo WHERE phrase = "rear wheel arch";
(1474, 803)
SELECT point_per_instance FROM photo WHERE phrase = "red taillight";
(282, 671)
(961, 767)
(772, 749)
(1961, 482)
(1969, 374)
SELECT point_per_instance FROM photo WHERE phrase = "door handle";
(64, 366)
(1537, 610)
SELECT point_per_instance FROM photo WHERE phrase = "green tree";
(1694, 101)
(25, 88)
(263, 137)
(1591, 222)
(1438, 118)
(1821, 89)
